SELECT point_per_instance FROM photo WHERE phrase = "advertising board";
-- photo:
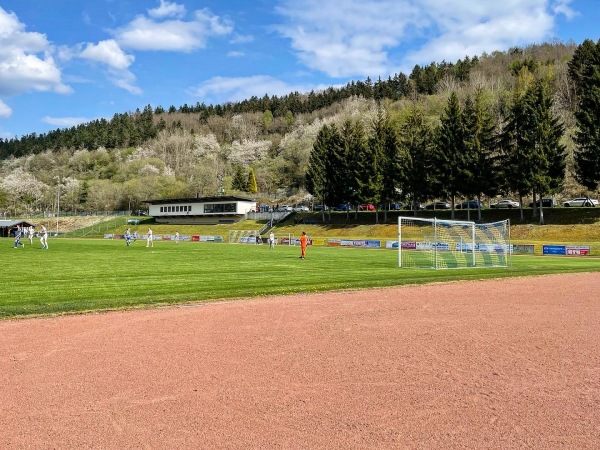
(578, 250)
(554, 250)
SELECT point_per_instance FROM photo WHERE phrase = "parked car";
(546, 203)
(285, 208)
(301, 208)
(438, 205)
(342, 207)
(320, 208)
(409, 206)
(366, 207)
(140, 212)
(505, 204)
(581, 201)
(471, 204)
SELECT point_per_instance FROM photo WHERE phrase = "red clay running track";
(496, 364)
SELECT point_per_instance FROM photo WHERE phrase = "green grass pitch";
(77, 275)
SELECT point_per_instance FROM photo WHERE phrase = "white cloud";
(370, 37)
(144, 33)
(65, 122)
(109, 53)
(167, 9)
(125, 80)
(472, 27)
(563, 7)
(222, 89)
(26, 62)
(5, 110)
(117, 61)
(241, 39)
(149, 33)
(235, 54)
(346, 38)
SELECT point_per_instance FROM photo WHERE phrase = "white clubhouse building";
(201, 210)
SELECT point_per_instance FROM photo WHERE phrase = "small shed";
(7, 226)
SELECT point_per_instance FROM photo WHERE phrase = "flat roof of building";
(219, 198)
(13, 223)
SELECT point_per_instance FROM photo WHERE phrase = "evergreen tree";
(324, 166)
(351, 184)
(549, 153)
(482, 143)
(534, 159)
(452, 152)
(388, 166)
(239, 181)
(584, 70)
(315, 181)
(83, 192)
(145, 125)
(517, 159)
(415, 159)
(372, 161)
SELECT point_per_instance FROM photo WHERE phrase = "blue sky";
(66, 62)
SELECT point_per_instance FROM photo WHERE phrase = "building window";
(177, 209)
(162, 209)
(219, 208)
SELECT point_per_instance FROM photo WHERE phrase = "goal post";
(452, 244)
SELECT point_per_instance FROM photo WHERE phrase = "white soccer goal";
(243, 236)
(452, 244)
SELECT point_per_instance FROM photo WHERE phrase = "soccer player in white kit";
(44, 237)
(149, 241)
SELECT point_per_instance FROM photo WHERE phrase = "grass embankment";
(189, 230)
(579, 226)
(77, 275)
(98, 226)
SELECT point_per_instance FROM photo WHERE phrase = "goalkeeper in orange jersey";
(303, 244)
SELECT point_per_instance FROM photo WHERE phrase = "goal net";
(452, 244)
(243, 236)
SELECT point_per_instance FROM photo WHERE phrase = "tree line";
(470, 153)
(168, 154)
(132, 129)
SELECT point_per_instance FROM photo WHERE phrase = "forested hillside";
(209, 149)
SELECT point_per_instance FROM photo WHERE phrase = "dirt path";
(497, 364)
